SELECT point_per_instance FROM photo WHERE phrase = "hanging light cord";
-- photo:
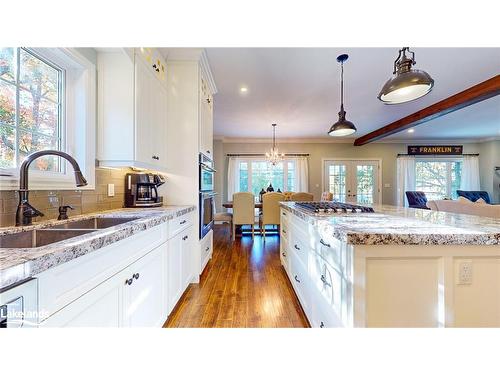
(342, 85)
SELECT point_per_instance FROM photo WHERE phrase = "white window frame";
(78, 123)
(448, 160)
(258, 159)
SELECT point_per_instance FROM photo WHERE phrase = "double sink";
(59, 232)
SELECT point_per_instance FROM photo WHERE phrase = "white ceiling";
(298, 88)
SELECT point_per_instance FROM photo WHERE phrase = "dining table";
(230, 204)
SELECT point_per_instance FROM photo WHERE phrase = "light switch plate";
(111, 190)
(387, 185)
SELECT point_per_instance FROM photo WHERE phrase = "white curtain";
(233, 177)
(470, 173)
(405, 178)
(302, 174)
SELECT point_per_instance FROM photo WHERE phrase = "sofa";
(417, 199)
(465, 206)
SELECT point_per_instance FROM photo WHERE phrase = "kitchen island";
(395, 267)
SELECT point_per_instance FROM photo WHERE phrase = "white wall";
(489, 158)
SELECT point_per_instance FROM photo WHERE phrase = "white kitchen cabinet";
(180, 265)
(132, 113)
(206, 249)
(101, 307)
(144, 290)
(206, 120)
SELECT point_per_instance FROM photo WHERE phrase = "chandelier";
(274, 157)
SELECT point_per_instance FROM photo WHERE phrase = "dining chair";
(326, 196)
(243, 211)
(302, 197)
(270, 214)
(225, 217)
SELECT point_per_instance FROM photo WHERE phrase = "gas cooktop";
(333, 207)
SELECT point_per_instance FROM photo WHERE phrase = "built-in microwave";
(207, 173)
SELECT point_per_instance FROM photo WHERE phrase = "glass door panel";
(336, 180)
(366, 183)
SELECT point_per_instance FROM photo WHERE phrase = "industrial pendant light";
(406, 84)
(274, 157)
(342, 127)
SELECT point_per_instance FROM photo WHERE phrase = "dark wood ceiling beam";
(472, 95)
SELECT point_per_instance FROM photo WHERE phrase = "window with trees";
(255, 175)
(31, 106)
(438, 179)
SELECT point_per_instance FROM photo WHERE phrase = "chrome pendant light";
(274, 157)
(406, 84)
(342, 127)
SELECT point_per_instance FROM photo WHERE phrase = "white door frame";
(379, 187)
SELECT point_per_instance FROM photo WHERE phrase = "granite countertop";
(18, 264)
(390, 225)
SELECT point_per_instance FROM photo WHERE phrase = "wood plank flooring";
(244, 285)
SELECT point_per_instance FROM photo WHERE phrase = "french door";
(353, 181)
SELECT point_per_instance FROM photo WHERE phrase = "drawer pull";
(136, 276)
(323, 279)
(298, 248)
(184, 238)
(284, 255)
(322, 325)
(284, 231)
(208, 248)
(284, 213)
(296, 279)
(324, 243)
(129, 281)
(183, 222)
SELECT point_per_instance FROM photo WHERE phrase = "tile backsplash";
(83, 201)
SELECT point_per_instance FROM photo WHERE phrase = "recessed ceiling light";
(243, 89)
(411, 130)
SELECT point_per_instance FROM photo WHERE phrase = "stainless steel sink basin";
(39, 237)
(95, 223)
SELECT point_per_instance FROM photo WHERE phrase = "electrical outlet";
(386, 185)
(465, 272)
(111, 190)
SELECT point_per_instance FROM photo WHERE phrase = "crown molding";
(351, 140)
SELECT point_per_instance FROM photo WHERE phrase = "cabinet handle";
(296, 279)
(284, 255)
(322, 325)
(323, 279)
(208, 100)
(129, 281)
(183, 222)
(284, 231)
(284, 213)
(324, 243)
(298, 248)
(208, 248)
(156, 157)
(184, 238)
(136, 276)
(208, 151)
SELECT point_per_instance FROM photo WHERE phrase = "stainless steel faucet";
(25, 211)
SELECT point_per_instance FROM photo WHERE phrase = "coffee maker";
(141, 190)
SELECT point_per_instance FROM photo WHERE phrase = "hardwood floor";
(244, 285)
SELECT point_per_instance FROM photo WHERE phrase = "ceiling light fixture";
(406, 84)
(342, 127)
(274, 157)
(411, 130)
(243, 89)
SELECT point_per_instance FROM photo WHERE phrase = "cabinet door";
(144, 294)
(187, 256)
(100, 307)
(144, 90)
(174, 272)
(159, 124)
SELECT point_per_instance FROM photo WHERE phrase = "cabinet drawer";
(332, 250)
(65, 283)
(284, 230)
(322, 314)
(284, 256)
(298, 246)
(206, 249)
(300, 282)
(284, 216)
(327, 282)
(178, 224)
